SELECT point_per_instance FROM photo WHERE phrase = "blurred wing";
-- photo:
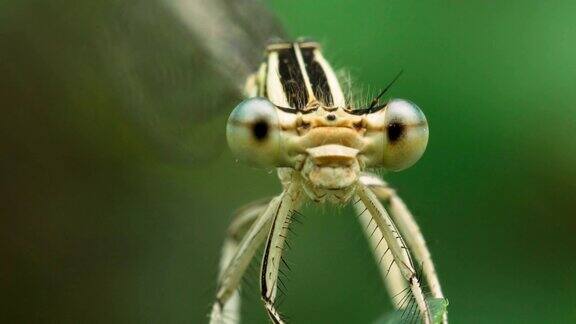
(168, 71)
(231, 35)
(233, 32)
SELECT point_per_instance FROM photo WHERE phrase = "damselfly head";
(297, 117)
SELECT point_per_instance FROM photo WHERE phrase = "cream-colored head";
(310, 130)
(328, 146)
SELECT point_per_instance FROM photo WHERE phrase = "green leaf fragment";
(438, 306)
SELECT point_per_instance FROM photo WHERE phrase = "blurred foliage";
(117, 186)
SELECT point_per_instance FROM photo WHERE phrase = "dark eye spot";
(260, 130)
(395, 131)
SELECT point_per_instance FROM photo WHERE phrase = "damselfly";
(297, 119)
(157, 74)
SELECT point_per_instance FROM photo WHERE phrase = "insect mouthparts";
(332, 154)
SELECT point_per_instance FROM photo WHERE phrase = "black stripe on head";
(291, 78)
(317, 77)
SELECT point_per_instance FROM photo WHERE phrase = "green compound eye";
(253, 132)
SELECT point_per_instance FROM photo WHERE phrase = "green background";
(103, 221)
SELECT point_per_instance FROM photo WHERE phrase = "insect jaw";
(332, 155)
(331, 167)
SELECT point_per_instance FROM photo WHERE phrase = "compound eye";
(253, 132)
(405, 134)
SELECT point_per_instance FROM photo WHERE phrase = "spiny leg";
(395, 283)
(245, 234)
(409, 229)
(397, 247)
(272, 258)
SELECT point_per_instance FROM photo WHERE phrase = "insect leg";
(245, 234)
(395, 283)
(409, 229)
(274, 245)
(398, 248)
